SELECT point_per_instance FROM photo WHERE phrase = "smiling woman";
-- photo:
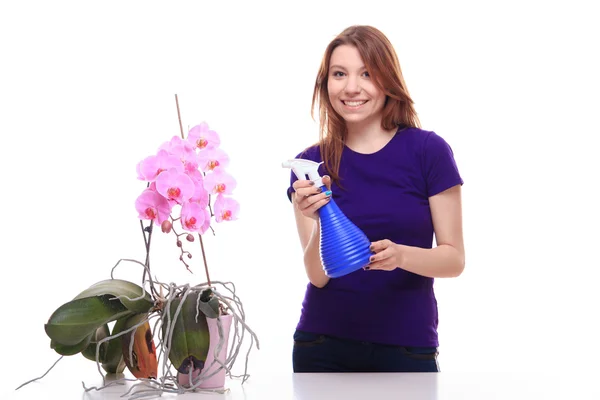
(400, 185)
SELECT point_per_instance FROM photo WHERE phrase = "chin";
(354, 118)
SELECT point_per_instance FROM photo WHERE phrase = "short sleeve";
(440, 168)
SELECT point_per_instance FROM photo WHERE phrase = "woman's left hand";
(388, 256)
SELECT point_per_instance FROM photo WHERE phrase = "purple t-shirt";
(386, 195)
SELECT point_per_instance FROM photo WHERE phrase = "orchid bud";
(190, 237)
(189, 255)
(166, 226)
(179, 244)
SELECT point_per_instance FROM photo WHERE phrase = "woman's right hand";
(309, 198)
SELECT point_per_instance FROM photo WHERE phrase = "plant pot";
(218, 379)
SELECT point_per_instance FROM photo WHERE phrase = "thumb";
(327, 181)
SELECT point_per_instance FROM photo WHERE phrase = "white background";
(87, 90)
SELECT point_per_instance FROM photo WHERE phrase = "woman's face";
(352, 93)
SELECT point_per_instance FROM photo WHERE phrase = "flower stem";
(199, 236)
(204, 259)
(147, 241)
(179, 117)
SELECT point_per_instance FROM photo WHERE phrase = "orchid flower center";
(190, 223)
(213, 164)
(150, 212)
(174, 192)
(201, 143)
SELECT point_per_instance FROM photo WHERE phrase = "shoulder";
(421, 139)
(427, 145)
(312, 153)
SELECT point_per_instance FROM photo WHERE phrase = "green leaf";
(190, 341)
(117, 288)
(209, 304)
(66, 350)
(72, 322)
(90, 351)
(114, 362)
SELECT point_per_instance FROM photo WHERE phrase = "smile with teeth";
(354, 103)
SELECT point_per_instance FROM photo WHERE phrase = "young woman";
(400, 185)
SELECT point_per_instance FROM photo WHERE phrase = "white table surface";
(289, 386)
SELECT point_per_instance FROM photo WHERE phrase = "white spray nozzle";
(302, 168)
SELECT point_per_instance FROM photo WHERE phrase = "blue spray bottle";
(344, 247)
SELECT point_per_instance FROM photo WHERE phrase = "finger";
(313, 203)
(376, 247)
(305, 192)
(380, 256)
(326, 181)
(380, 267)
(379, 245)
(302, 183)
(384, 264)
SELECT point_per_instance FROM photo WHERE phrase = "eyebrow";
(340, 67)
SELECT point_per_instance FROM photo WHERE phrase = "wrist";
(403, 255)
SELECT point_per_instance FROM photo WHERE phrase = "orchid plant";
(187, 187)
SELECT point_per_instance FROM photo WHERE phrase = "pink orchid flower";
(192, 217)
(183, 150)
(219, 182)
(152, 206)
(226, 209)
(212, 159)
(202, 138)
(150, 167)
(175, 186)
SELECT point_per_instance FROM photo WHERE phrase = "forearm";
(443, 261)
(312, 259)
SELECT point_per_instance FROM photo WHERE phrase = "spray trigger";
(305, 169)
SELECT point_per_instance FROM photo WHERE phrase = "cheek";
(334, 87)
(331, 91)
(374, 92)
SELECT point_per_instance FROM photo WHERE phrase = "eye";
(338, 74)
(366, 74)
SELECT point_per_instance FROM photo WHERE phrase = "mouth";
(354, 103)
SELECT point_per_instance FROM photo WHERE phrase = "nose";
(352, 85)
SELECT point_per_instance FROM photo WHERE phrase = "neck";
(367, 136)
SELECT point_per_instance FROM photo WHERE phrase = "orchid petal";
(226, 209)
(192, 217)
(212, 159)
(175, 186)
(152, 206)
(152, 166)
(206, 223)
(202, 138)
(219, 182)
(183, 151)
(200, 195)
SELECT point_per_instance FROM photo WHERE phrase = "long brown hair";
(383, 66)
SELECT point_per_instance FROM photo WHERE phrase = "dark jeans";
(321, 353)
